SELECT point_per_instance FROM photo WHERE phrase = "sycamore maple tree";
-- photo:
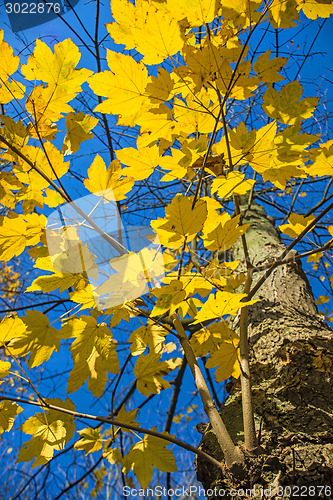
(189, 86)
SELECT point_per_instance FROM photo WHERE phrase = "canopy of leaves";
(204, 123)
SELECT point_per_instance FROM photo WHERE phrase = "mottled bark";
(291, 367)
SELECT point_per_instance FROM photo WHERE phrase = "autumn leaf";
(4, 368)
(221, 304)
(124, 86)
(233, 183)
(148, 27)
(223, 232)
(106, 182)
(51, 431)
(322, 158)
(297, 224)
(208, 340)
(141, 162)
(127, 417)
(169, 297)
(91, 440)
(145, 454)
(93, 353)
(11, 327)
(9, 64)
(70, 262)
(39, 339)
(8, 412)
(181, 221)
(319, 8)
(78, 127)
(226, 358)
(288, 107)
(151, 335)
(267, 70)
(58, 71)
(149, 371)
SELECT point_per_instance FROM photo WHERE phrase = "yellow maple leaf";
(67, 270)
(145, 454)
(208, 339)
(169, 297)
(19, 231)
(197, 12)
(172, 163)
(198, 116)
(149, 371)
(288, 107)
(78, 127)
(223, 232)
(149, 27)
(4, 368)
(148, 335)
(51, 430)
(93, 353)
(220, 305)
(141, 162)
(263, 152)
(297, 224)
(318, 8)
(39, 339)
(9, 64)
(134, 274)
(10, 327)
(58, 71)
(8, 412)
(267, 70)
(160, 88)
(180, 221)
(124, 86)
(127, 417)
(48, 159)
(106, 182)
(91, 440)
(279, 174)
(226, 358)
(322, 158)
(12, 237)
(283, 13)
(240, 12)
(233, 183)
(241, 139)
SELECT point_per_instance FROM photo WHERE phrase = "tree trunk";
(291, 368)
